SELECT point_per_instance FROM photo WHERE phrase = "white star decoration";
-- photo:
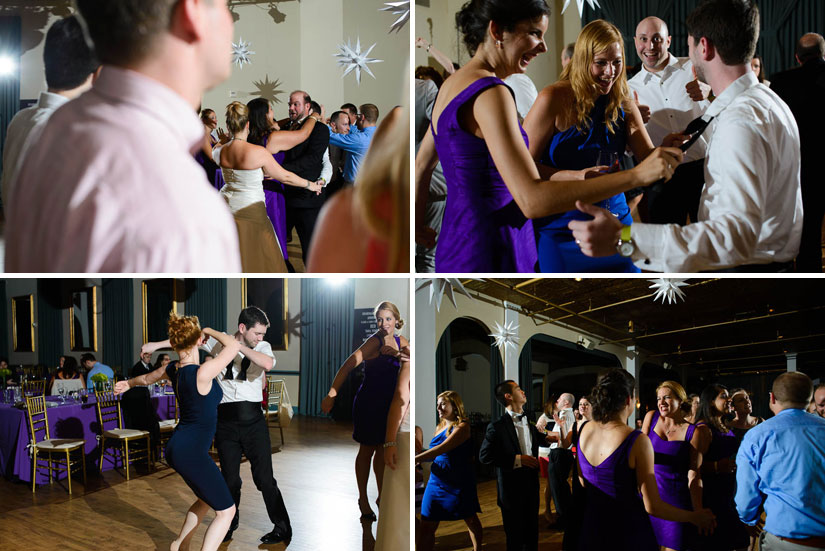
(580, 4)
(506, 335)
(354, 59)
(402, 10)
(668, 288)
(439, 287)
(241, 53)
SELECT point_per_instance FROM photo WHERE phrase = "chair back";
(34, 388)
(274, 388)
(37, 416)
(172, 408)
(108, 409)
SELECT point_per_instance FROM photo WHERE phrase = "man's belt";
(239, 411)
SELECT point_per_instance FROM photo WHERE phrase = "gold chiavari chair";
(34, 388)
(275, 390)
(58, 451)
(108, 411)
(167, 427)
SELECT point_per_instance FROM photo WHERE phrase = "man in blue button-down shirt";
(779, 469)
(356, 144)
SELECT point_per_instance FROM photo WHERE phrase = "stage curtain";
(206, 298)
(328, 319)
(10, 32)
(443, 364)
(496, 376)
(49, 322)
(118, 325)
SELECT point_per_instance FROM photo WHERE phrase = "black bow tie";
(519, 416)
(242, 374)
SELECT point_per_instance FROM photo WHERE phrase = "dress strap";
(689, 433)
(655, 420)
(471, 91)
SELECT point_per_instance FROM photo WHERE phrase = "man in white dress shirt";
(242, 428)
(750, 214)
(71, 67)
(669, 97)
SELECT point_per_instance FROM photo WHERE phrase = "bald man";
(819, 400)
(670, 96)
(802, 88)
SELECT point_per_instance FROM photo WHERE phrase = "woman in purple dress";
(676, 446)
(381, 355)
(615, 462)
(719, 471)
(494, 186)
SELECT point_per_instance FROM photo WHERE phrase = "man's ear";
(189, 22)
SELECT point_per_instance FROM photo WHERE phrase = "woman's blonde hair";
(680, 393)
(386, 305)
(184, 331)
(237, 115)
(458, 406)
(596, 37)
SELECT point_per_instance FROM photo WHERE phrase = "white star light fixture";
(354, 59)
(668, 289)
(506, 335)
(439, 287)
(241, 53)
(580, 3)
(402, 10)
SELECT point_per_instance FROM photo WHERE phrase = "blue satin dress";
(574, 150)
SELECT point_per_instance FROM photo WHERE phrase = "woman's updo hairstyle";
(237, 115)
(678, 392)
(386, 305)
(184, 331)
(610, 394)
(474, 17)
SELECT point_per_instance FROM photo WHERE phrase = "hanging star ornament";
(402, 10)
(506, 335)
(439, 287)
(354, 59)
(267, 90)
(668, 288)
(241, 53)
(580, 4)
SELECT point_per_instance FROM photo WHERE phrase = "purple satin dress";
(671, 465)
(372, 401)
(483, 229)
(614, 513)
(276, 204)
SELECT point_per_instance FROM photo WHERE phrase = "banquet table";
(70, 420)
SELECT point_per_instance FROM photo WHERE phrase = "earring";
(498, 43)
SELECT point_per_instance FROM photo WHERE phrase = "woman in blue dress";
(198, 396)
(451, 490)
(588, 111)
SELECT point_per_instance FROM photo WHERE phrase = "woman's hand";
(388, 350)
(705, 521)
(591, 172)
(223, 137)
(121, 387)
(659, 165)
(421, 43)
(391, 457)
(316, 186)
(327, 403)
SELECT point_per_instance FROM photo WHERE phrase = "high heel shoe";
(369, 515)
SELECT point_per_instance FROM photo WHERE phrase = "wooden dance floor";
(314, 470)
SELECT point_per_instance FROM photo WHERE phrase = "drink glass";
(610, 159)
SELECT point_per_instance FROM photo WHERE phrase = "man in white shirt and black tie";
(750, 213)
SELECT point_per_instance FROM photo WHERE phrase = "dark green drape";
(525, 371)
(328, 319)
(496, 376)
(443, 364)
(49, 322)
(10, 32)
(206, 298)
(118, 325)
(4, 322)
(782, 23)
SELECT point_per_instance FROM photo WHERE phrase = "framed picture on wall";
(83, 316)
(159, 298)
(270, 295)
(22, 315)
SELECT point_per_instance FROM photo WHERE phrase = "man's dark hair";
(335, 116)
(370, 112)
(350, 108)
(314, 107)
(68, 58)
(252, 315)
(810, 46)
(504, 387)
(731, 26)
(423, 72)
(126, 31)
(87, 357)
(793, 388)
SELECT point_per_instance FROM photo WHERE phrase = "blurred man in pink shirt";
(111, 185)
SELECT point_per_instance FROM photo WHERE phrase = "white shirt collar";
(671, 61)
(49, 100)
(733, 91)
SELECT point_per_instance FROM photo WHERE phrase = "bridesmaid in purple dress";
(676, 455)
(615, 462)
(494, 186)
(719, 471)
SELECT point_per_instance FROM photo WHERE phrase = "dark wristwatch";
(625, 246)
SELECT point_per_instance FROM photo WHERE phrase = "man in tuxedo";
(305, 160)
(512, 445)
(802, 88)
(136, 402)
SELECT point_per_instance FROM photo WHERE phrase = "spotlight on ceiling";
(7, 65)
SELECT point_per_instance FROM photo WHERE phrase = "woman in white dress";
(244, 166)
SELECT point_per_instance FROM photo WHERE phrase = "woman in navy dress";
(198, 396)
(495, 188)
(451, 490)
(615, 463)
(588, 111)
(676, 445)
(381, 355)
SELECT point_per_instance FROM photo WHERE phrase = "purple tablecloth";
(71, 420)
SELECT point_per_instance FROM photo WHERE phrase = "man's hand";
(529, 461)
(327, 403)
(696, 89)
(643, 109)
(597, 237)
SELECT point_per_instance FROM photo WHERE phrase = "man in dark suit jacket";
(802, 88)
(136, 402)
(512, 445)
(305, 160)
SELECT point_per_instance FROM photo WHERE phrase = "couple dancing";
(505, 213)
(222, 398)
